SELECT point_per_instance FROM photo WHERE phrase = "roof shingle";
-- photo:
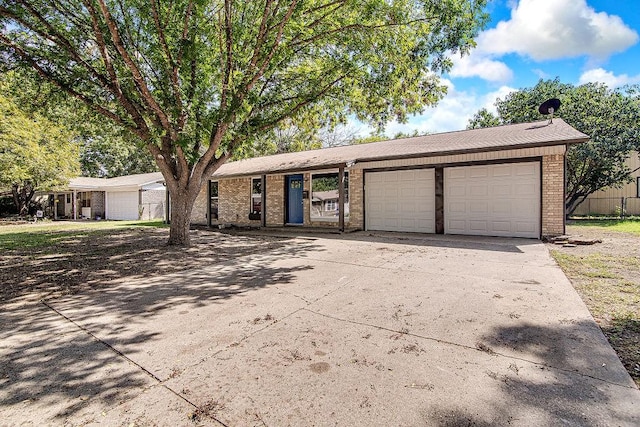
(486, 139)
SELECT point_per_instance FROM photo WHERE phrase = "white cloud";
(483, 67)
(599, 75)
(452, 112)
(553, 29)
(545, 30)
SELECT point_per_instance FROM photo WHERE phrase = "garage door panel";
(526, 169)
(458, 190)
(501, 190)
(523, 189)
(501, 170)
(478, 172)
(478, 207)
(510, 207)
(457, 207)
(478, 191)
(480, 226)
(400, 200)
(501, 226)
(525, 227)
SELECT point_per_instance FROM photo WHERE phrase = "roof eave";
(569, 141)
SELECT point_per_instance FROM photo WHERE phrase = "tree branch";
(114, 84)
(133, 68)
(140, 129)
(173, 69)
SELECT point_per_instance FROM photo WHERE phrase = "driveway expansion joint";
(121, 355)
(467, 347)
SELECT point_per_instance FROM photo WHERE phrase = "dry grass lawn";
(607, 277)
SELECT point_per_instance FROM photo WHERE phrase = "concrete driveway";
(384, 329)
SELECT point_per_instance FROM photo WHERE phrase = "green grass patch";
(593, 265)
(50, 233)
(621, 225)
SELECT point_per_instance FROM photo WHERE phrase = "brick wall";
(275, 200)
(234, 202)
(97, 204)
(356, 199)
(553, 195)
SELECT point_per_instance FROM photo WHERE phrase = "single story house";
(130, 197)
(613, 201)
(500, 181)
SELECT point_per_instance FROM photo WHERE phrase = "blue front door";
(294, 199)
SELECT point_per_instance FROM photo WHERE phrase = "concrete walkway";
(360, 329)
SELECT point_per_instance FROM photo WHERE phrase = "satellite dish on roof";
(549, 107)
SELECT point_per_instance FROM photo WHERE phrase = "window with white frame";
(325, 196)
(256, 196)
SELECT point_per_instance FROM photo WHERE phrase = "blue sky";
(576, 40)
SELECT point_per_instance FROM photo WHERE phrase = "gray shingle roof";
(521, 135)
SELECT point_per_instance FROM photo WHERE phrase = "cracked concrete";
(385, 329)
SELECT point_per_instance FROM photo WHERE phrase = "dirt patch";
(607, 277)
(319, 367)
(74, 261)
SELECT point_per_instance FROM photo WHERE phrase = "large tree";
(35, 154)
(106, 150)
(610, 117)
(196, 79)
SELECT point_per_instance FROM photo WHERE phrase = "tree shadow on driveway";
(560, 375)
(52, 369)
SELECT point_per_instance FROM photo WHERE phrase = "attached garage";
(493, 200)
(122, 205)
(402, 200)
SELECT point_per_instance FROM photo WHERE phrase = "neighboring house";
(612, 201)
(324, 205)
(501, 181)
(131, 197)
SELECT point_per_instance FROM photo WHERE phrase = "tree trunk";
(573, 201)
(181, 206)
(22, 196)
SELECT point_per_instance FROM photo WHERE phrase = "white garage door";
(400, 200)
(122, 205)
(493, 200)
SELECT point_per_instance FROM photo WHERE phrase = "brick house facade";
(538, 149)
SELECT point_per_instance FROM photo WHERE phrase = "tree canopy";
(106, 150)
(196, 80)
(611, 117)
(35, 154)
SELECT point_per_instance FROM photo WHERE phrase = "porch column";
(341, 198)
(74, 205)
(263, 201)
(55, 206)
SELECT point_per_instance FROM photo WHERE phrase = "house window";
(325, 196)
(85, 199)
(638, 187)
(213, 199)
(256, 196)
